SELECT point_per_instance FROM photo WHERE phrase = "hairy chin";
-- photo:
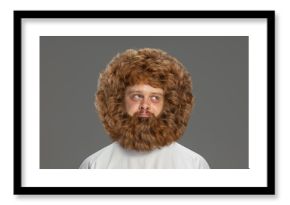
(143, 133)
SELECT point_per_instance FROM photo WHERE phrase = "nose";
(144, 105)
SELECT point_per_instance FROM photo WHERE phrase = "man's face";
(144, 100)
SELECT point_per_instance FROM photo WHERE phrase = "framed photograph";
(144, 102)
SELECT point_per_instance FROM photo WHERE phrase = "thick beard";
(143, 133)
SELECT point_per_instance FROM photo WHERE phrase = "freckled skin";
(144, 99)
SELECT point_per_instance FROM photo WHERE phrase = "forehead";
(144, 88)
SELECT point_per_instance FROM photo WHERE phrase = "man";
(144, 100)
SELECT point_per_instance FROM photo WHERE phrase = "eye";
(155, 98)
(136, 97)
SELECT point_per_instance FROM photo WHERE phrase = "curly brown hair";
(157, 69)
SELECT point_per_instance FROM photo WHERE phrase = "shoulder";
(189, 157)
(99, 158)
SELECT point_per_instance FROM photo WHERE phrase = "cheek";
(157, 107)
(131, 107)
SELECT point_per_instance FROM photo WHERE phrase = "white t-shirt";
(173, 156)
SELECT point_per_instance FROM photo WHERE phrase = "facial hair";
(143, 133)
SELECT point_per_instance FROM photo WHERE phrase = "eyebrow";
(137, 91)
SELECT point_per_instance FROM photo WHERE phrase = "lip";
(144, 114)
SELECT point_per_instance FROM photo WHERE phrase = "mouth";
(144, 114)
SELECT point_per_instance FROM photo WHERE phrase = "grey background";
(70, 129)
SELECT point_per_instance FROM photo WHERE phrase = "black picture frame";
(19, 189)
